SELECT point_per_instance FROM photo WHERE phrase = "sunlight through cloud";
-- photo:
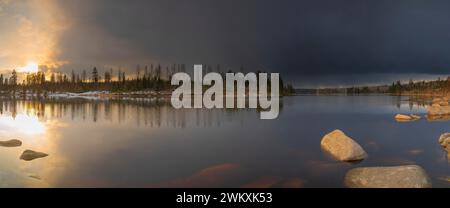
(31, 67)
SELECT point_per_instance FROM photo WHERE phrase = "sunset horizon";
(231, 103)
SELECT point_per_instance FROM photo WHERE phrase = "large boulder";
(408, 176)
(342, 147)
(437, 110)
(444, 140)
(11, 143)
(29, 155)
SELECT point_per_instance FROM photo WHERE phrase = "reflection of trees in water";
(155, 113)
(411, 101)
(419, 101)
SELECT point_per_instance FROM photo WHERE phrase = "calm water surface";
(148, 144)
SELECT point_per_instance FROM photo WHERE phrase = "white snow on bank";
(104, 95)
(92, 95)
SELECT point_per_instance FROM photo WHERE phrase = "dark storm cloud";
(298, 38)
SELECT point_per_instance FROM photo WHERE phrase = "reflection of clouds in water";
(44, 172)
(35, 134)
(21, 124)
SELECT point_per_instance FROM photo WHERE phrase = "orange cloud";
(31, 30)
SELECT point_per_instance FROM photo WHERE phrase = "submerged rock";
(29, 155)
(403, 118)
(407, 176)
(11, 143)
(342, 147)
(444, 140)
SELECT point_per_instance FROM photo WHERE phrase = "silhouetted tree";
(95, 75)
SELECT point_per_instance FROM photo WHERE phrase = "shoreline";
(166, 94)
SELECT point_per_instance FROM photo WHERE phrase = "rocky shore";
(439, 108)
(343, 148)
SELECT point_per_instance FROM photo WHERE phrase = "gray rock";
(407, 176)
(342, 147)
(29, 155)
(11, 143)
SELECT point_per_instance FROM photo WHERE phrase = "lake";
(93, 143)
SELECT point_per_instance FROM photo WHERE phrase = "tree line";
(148, 78)
(439, 86)
(153, 77)
(436, 86)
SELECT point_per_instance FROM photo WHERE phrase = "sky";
(311, 43)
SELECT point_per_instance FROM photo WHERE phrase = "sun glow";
(22, 123)
(31, 67)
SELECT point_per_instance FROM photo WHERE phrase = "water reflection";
(78, 134)
(214, 176)
(29, 113)
(23, 124)
(149, 144)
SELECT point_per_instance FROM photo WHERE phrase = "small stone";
(404, 118)
(11, 143)
(29, 155)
